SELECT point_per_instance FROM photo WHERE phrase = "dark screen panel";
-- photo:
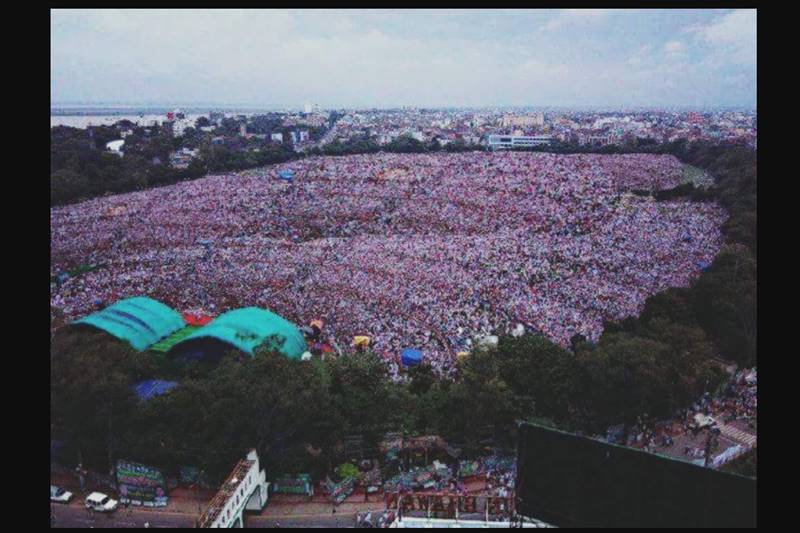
(576, 481)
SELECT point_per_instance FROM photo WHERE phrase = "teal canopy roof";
(140, 321)
(247, 328)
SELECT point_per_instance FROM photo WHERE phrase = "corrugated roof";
(164, 345)
(249, 327)
(140, 321)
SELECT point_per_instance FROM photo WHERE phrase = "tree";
(626, 379)
(90, 391)
(543, 377)
(483, 396)
(67, 185)
(361, 396)
(674, 304)
(725, 301)
(269, 402)
(405, 144)
(422, 379)
(687, 365)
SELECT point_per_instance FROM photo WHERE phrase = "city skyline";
(389, 58)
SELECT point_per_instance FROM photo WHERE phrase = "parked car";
(97, 501)
(59, 495)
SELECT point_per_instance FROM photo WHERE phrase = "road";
(301, 520)
(76, 516)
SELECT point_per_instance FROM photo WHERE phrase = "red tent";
(197, 320)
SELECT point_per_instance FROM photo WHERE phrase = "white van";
(59, 495)
(97, 501)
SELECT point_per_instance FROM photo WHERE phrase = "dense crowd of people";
(412, 250)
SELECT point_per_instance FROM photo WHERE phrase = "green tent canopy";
(140, 321)
(244, 329)
(164, 345)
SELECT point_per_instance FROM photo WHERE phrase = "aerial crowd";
(412, 250)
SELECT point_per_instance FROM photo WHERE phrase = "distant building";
(115, 147)
(595, 140)
(216, 117)
(506, 142)
(179, 126)
(386, 138)
(243, 129)
(536, 119)
(308, 108)
(182, 158)
(276, 137)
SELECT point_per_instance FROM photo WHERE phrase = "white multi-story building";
(506, 142)
(245, 489)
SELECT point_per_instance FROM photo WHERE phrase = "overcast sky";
(346, 58)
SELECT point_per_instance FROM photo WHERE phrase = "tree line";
(82, 168)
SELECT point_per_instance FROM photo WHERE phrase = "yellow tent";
(361, 340)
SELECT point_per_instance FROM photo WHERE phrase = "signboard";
(140, 484)
(338, 492)
(294, 485)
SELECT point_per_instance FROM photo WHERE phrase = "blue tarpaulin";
(153, 387)
(287, 175)
(704, 266)
(411, 357)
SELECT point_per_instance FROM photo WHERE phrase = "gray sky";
(392, 57)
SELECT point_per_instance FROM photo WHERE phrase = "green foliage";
(422, 379)
(361, 396)
(725, 301)
(90, 390)
(626, 379)
(544, 377)
(352, 146)
(406, 144)
(347, 471)
(67, 185)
